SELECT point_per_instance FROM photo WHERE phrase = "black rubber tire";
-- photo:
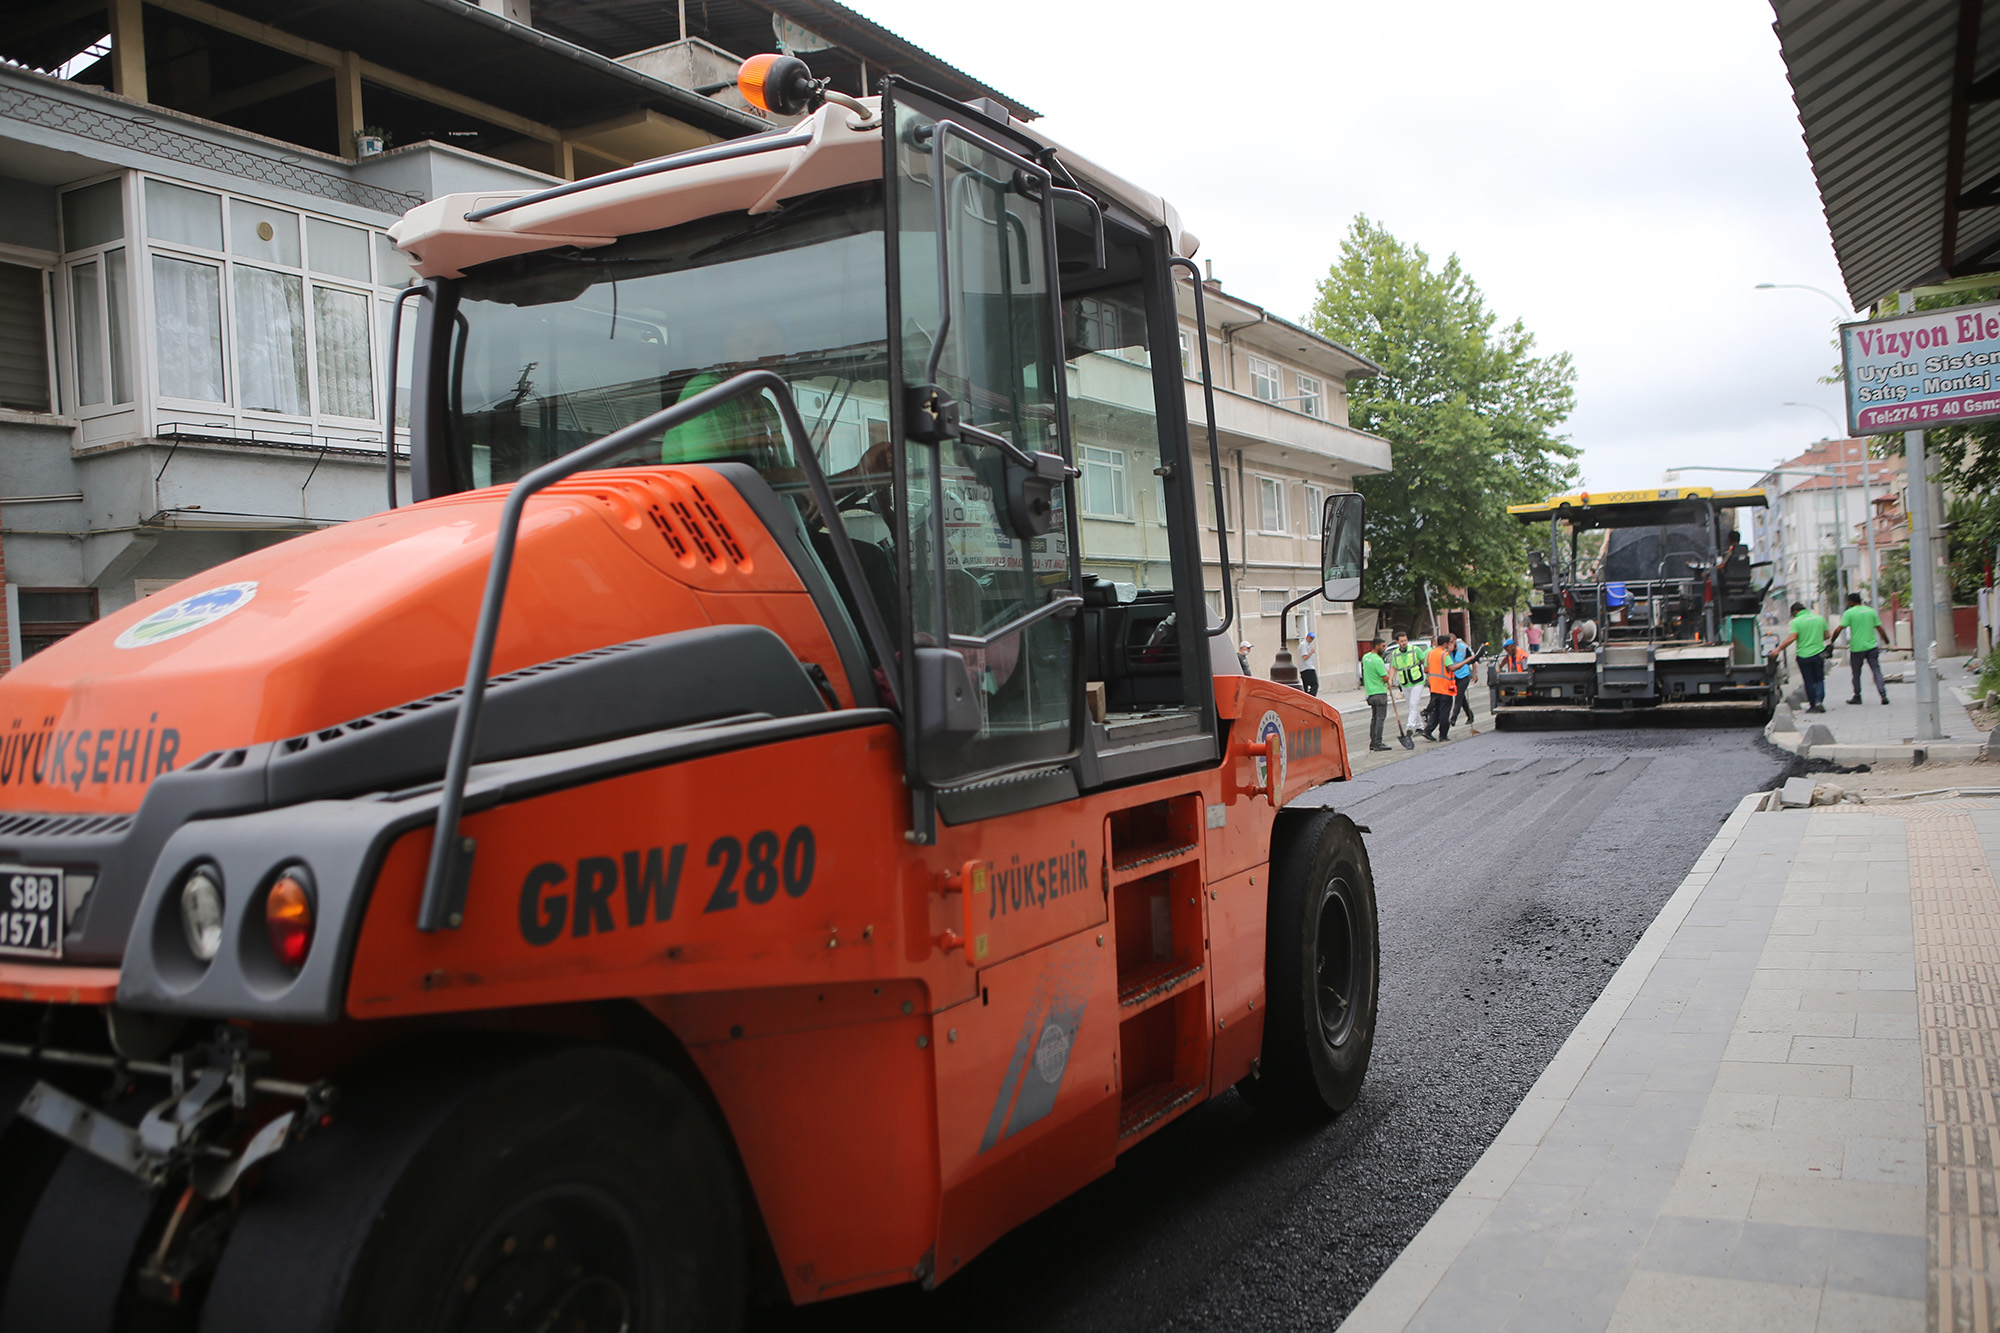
(605, 1154)
(1319, 1027)
(76, 1246)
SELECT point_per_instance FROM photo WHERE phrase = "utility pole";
(1923, 573)
(1923, 604)
(1868, 522)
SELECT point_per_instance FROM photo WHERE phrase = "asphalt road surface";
(1514, 870)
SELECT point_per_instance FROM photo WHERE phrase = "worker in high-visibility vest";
(1440, 675)
(1406, 667)
(1512, 657)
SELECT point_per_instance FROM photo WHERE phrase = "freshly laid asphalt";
(1514, 871)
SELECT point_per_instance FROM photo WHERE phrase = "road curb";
(1401, 1291)
(1933, 752)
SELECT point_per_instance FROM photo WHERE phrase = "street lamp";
(1846, 311)
(1815, 407)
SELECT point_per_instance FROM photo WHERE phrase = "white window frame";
(1315, 506)
(1271, 602)
(232, 414)
(1093, 455)
(1264, 372)
(1264, 518)
(72, 259)
(1312, 396)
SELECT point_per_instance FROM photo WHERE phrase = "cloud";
(1618, 177)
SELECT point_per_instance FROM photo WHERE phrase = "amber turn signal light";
(288, 917)
(781, 85)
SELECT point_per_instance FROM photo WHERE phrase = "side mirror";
(1341, 548)
(1079, 232)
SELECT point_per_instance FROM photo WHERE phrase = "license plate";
(31, 904)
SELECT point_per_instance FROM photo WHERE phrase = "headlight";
(288, 916)
(201, 913)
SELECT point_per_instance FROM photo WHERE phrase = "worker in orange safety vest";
(1440, 676)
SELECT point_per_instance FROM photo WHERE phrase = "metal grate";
(666, 528)
(723, 535)
(24, 825)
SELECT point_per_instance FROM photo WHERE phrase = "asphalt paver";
(1514, 870)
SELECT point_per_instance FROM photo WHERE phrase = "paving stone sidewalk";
(1779, 1115)
(1871, 732)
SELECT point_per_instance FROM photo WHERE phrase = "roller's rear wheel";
(585, 1190)
(1321, 967)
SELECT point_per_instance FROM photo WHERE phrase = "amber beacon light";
(781, 85)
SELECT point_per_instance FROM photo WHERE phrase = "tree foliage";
(1973, 533)
(1471, 412)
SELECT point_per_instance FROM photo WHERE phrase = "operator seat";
(1739, 598)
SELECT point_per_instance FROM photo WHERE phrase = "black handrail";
(693, 157)
(395, 350)
(449, 872)
(1214, 451)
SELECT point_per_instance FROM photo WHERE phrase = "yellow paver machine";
(1663, 617)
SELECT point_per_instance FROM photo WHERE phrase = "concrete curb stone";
(1400, 1292)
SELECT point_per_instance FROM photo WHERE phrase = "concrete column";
(128, 49)
(347, 113)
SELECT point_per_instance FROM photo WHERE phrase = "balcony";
(1242, 421)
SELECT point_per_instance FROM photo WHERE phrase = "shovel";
(1403, 736)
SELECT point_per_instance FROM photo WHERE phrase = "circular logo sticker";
(1272, 730)
(187, 615)
(1052, 1053)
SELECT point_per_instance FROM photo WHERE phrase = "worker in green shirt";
(1864, 643)
(1809, 633)
(1375, 684)
(747, 429)
(1407, 661)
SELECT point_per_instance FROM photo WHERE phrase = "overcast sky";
(1618, 176)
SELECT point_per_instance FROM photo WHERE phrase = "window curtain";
(340, 340)
(187, 304)
(87, 324)
(24, 357)
(270, 340)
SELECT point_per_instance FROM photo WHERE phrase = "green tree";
(1969, 543)
(1895, 578)
(1471, 411)
(1829, 580)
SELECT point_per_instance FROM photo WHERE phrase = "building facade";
(195, 284)
(1818, 520)
(1281, 419)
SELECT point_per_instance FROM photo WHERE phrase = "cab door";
(988, 553)
(984, 472)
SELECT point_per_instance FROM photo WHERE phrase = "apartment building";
(1281, 413)
(195, 285)
(1820, 505)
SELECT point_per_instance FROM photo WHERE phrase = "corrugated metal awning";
(1900, 104)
